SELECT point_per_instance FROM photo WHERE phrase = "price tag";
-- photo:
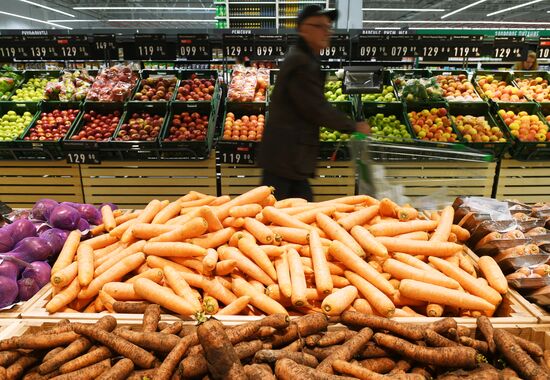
(370, 46)
(269, 47)
(8, 47)
(338, 49)
(400, 46)
(510, 48)
(238, 153)
(39, 47)
(104, 46)
(83, 157)
(544, 47)
(443, 47)
(150, 46)
(194, 47)
(235, 45)
(72, 47)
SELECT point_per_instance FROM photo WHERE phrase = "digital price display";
(269, 46)
(543, 50)
(235, 45)
(510, 48)
(338, 49)
(150, 46)
(72, 47)
(194, 47)
(104, 46)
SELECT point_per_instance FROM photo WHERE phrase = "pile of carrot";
(254, 255)
(313, 346)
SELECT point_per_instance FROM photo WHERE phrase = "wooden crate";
(542, 315)
(9, 327)
(16, 310)
(421, 179)
(22, 183)
(333, 179)
(134, 184)
(524, 180)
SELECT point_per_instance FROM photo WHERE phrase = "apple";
(432, 125)
(499, 91)
(248, 84)
(156, 88)
(196, 89)
(188, 126)
(246, 128)
(140, 127)
(12, 125)
(536, 89)
(477, 129)
(52, 126)
(98, 127)
(525, 127)
(456, 87)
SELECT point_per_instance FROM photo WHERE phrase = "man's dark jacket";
(290, 144)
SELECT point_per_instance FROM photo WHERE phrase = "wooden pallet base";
(22, 183)
(333, 179)
(134, 184)
(526, 181)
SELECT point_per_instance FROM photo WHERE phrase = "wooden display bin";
(22, 183)
(526, 181)
(333, 179)
(9, 327)
(132, 184)
(16, 310)
(539, 312)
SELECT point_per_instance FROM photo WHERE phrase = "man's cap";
(315, 10)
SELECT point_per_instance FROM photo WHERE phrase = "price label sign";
(238, 153)
(104, 46)
(370, 46)
(269, 46)
(338, 49)
(9, 47)
(72, 47)
(510, 48)
(39, 47)
(194, 47)
(83, 157)
(543, 50)
(443, 47)
(235, 45)
(400, 46)
(150, 46)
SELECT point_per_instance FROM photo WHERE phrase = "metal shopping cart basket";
(367, 151)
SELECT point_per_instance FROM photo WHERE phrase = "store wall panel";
(22, 183)
(527, 181)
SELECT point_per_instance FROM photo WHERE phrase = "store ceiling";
(199, 14)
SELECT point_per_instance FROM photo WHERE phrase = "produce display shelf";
(526, 181)
(333, 179)
(16, 310)
(542, 315)
(132, 184)
(9, 327)
(8, 149)
(504, 76)
(22, 183)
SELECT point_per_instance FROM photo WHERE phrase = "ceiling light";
(404, 10)
(156, 20)
(463, 8)
(35, 20)
(73, 20)
(45, 7)
(144, 8)
(456, 22)
(515, 7)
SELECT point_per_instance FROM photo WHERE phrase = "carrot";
(283, 275)
(359, 217)
(148, 231)
(347, 351)
(338, 301)
(495, 235)
(362, 306)
(102, 252)
(444, 296)
(401, 271)
(399, 228)
(256, 195)
(388, 208)
(347, 257)
(169, 249)
(193, 228)
(215, 289)
(377, 299)
(256, 254)
(415, 247)
(467, 281)
(245, 264)
(105, 265)
(443, 229)
(121, 291)
(290, 202)
(368, 242)
(85, 262)
(106, 300)
(462, 234)
(65, 276)
(66, 256)
(434, 310)
(418, 235)
(465, 263)
(108, 218)
(153, 274)
(323, 281)
(279, 218)
(214, 223)
(119, 371)
(64, 297)
(292, 235)
(249, 210)
(336, 232)
(405, 214)
(493, 274)
(352, 200)
(155, 293)
(273, 251)
(224, 267)
(309, 216)
(210, 260)
(214, 239)
(179, 285)
(210, 305)
(334, 269)
(259, 300)
(235, 307)
(259, 230)
(116, 272)
(297, 278)
(173, 209)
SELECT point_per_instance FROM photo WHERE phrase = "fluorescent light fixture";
(35, 20)
(455, 22)
(155, 20)
(143, 9)
(404, 9)
(514, 7)
(73, 20)
(463, 8)
(45, 7)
